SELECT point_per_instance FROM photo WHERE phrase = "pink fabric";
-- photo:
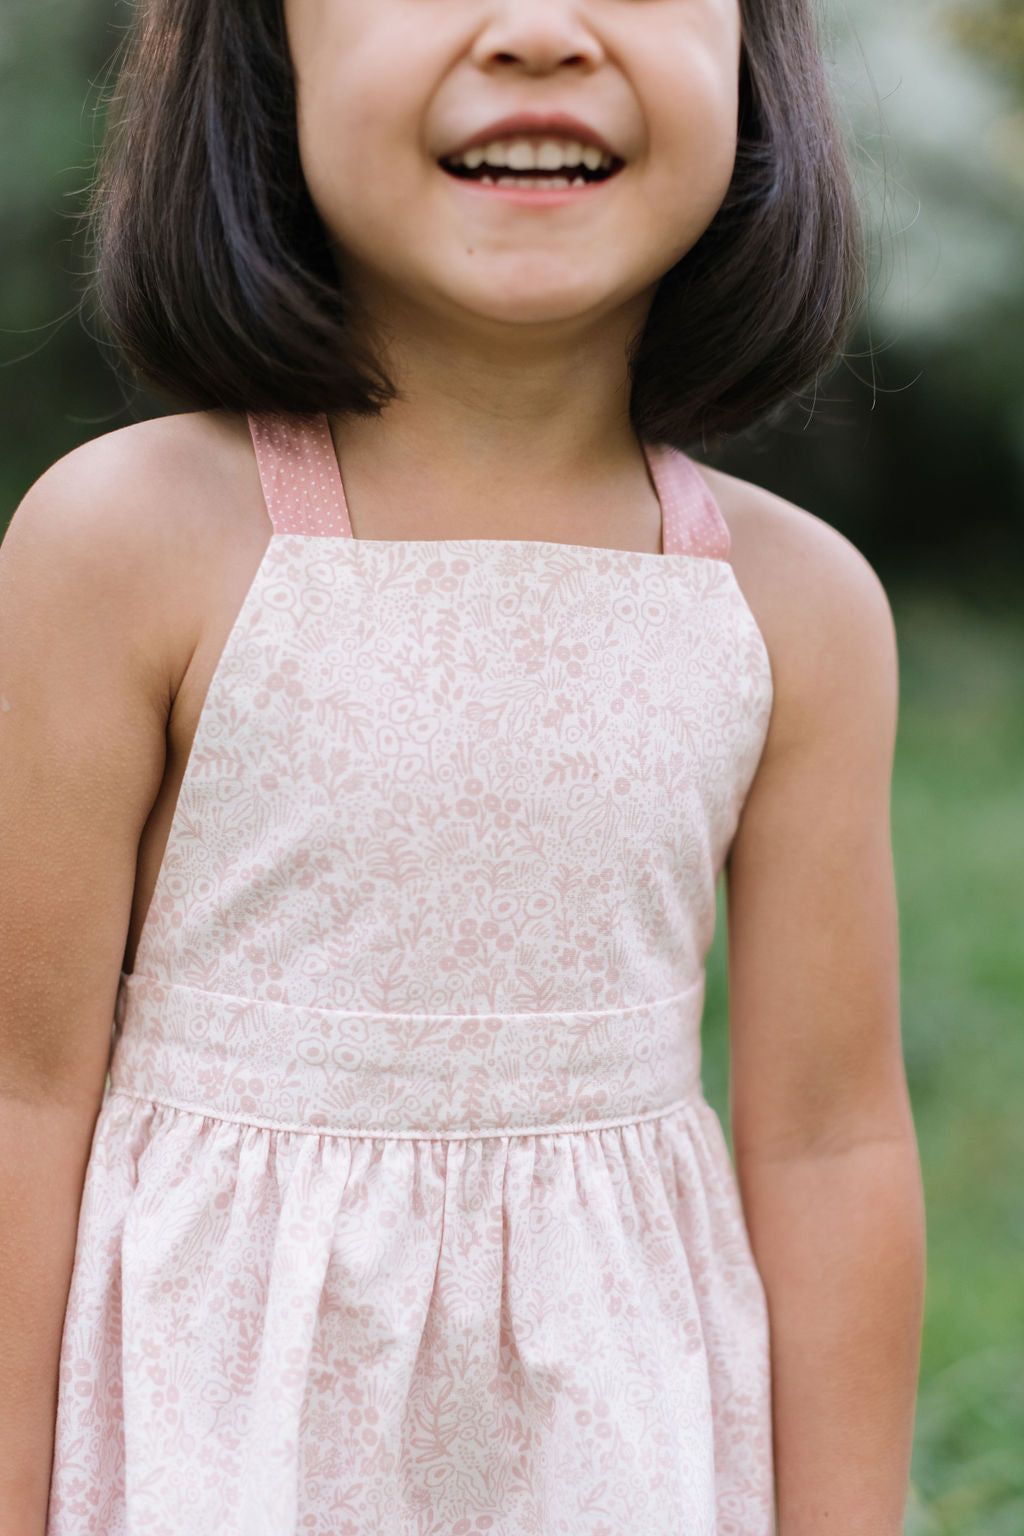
(405, 1214)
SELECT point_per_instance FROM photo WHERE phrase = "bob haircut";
(214, 275)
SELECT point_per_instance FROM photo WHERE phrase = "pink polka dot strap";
(691, 521)
(304, 492)
(299, 473)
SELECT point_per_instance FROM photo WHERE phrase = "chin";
(530, 303)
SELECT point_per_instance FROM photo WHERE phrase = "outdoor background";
(915, 449)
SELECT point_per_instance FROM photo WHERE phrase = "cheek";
(346, 93)
(694, 133)
(329, 142)
(344, 155)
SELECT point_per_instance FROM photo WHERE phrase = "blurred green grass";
(958, 836)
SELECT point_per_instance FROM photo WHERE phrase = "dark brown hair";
(214, 277)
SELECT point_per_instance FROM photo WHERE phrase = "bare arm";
(83, 708)
(824, 1142)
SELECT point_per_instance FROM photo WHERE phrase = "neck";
(494, 420)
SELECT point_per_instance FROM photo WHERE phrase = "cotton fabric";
(405, 1214)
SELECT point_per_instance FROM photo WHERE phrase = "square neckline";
(303, 486)
(654, 479)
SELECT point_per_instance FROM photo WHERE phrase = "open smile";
(538, 168)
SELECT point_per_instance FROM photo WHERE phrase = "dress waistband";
(426, 1076)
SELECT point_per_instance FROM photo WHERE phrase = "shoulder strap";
(692, 523)
(304, 493)
(299, 474)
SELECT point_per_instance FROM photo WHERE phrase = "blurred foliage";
(995, 33)
(995, 30)
(914, 447)
(56, 387)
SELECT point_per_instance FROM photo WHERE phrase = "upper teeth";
(535, 155)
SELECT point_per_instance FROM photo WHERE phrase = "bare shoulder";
(164, 461)
(145, 485)
(138, 518)
(820, 605)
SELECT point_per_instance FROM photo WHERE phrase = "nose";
(536, 37)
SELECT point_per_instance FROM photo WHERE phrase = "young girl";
(386, 720)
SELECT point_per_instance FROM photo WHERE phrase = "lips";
(557, 125)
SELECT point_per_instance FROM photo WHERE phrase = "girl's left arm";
(824, 1143)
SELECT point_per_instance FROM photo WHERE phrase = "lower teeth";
(535, 183)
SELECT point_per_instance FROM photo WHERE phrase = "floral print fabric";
(405, 1214)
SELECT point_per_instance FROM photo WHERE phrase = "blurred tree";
(996, 31)
(915, 448)
(56, 387)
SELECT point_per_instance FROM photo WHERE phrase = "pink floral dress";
(405, 1214)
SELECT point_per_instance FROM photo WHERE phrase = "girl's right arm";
(86, 680)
